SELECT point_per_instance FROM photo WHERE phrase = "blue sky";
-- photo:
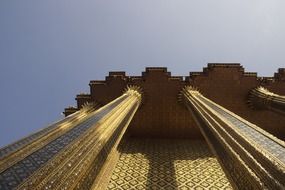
(49, 50)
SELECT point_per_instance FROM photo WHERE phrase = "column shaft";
(14, 152)
(250, 156)
(74, 158)
(261, 98)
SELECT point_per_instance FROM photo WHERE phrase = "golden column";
(250, 156)
(262, 98)
(75, 157)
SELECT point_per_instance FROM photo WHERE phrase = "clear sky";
(49, 50)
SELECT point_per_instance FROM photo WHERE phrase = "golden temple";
(222, 128)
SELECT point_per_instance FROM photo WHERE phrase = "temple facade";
(222, 128)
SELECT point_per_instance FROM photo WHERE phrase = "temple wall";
(160, 114)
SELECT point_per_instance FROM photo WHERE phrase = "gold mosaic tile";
(167, 164)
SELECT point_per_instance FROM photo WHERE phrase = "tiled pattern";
(17, 145)
(266, 143)
(167, 164)
(16, 174)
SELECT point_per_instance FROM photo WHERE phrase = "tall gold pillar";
(74, 157)
(251, 157)
(12, 152)
(261, 98)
